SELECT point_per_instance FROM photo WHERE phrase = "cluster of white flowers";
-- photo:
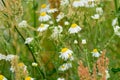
(56, 32)
(99, 12)
(95, 53)
(116, 27)
(3, 78)
(7, 58)
(65, 66)
(84, 3)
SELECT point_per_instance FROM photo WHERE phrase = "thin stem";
(35, 60)
(86, 53)
(34, 12)
(108, 42)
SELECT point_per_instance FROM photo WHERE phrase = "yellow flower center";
(43, 14)
(43, 6)
(64, 50)
(28, 78)
(42, 25)
(63, 66)
(95, 50)
(74, 25)
(21, 64)
(1, 77)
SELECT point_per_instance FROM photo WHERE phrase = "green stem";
(108, 42)
(35, 60)
(86, 53)
(34, 13)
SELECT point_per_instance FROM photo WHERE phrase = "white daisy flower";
(95, 16)
(99, 10)
(114, 22)
(61, 79)
(29, 78)
(52, 10)
(44, 8)
(66, 23)
(23, 24)
(28, 40)
(83, 41)
(64, 2)
(56, 32)
(2, 57)
(34, 64)
(44, 17)
(66, 54)
(95, 53)
(60, 16)
(117, 30)
(3, 78)
(43, 27)
(74, 29)
(65, 67)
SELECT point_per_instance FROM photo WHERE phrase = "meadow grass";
(74, 41)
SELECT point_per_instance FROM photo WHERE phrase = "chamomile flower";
(99, 10)
(117, 30)
(65, 67)
(28, 40)
(60, 16)
(44, 17)
(23, 24)
(2, 77)
(66, 54)
(43, 27)
(95, 16)
(52, 10)
(61, 79)
(95, 53)
(44, 8)
(64, 2)
(74, 29)
(29, 78)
